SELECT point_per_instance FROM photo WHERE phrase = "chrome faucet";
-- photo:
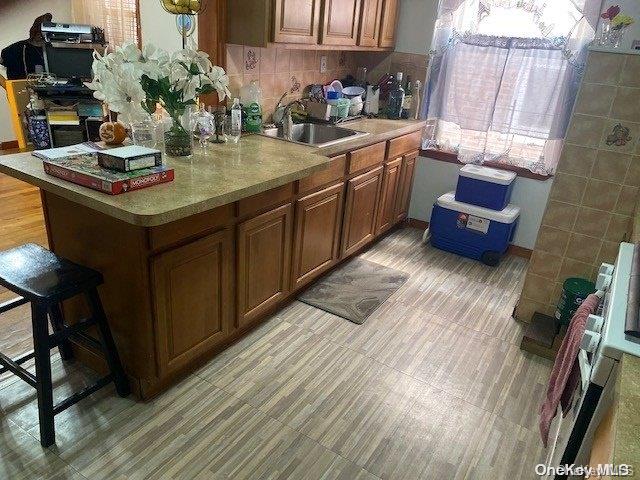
(287, 121)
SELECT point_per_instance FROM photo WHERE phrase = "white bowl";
(351, 92)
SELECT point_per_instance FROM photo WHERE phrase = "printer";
(71, 33)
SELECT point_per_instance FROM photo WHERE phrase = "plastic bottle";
(251, 99)
(236, 121)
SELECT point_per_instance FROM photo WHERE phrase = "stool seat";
(40, 275)
(44, 279)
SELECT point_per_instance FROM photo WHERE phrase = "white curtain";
(118, 18)
(497, 97)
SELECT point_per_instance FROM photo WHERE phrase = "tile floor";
(432, 386)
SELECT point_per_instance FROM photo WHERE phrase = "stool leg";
(44, 387)
(57, 323)
(110, 351)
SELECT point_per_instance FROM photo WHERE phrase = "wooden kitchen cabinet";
(192, 296)
(389, 23)
(318, 220)
(341, 21)
(296, 21)
(264, 256)
(406, 185)
(369, 33)
(360, 210)
(388, 195)
(319, 24)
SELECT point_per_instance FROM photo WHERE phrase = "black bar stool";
(45, 279)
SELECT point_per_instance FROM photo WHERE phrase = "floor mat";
(355, 290)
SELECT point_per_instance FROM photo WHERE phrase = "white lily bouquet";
(133, 82)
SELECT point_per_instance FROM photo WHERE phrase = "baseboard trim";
(513, 249)
(415, 223)
(10, 145)
(519, 251)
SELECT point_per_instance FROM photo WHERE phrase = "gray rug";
(355, 290)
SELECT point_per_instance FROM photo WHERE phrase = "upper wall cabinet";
(389, 22)
(321, 24)
(369, 34)
(341, 19)
(296, 21)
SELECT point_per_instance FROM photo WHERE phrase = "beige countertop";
(626, 424)
(226, 174)
(379, 130)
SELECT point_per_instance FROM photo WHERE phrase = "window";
(504, 78)
(119, 18)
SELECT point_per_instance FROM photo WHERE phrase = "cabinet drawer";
(193, 226)
(264, 200)
(333, 173)
(366, 157)
(404, 144)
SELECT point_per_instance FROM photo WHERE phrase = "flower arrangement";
(621, 21)
(611, 12)
(617, 20)
(133, 82)
(613, 26)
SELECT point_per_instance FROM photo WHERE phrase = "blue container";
(475, 232)
(485, 187)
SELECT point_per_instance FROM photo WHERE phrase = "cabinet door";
(296, 21)
(388, 196)
(317, 233)
(406, 185)
(368, 35)
(264, 260)
(360, 210)
(192, 297)
(341, 22)
(389, 23)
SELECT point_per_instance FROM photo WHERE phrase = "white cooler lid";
(508, 215)
(487, 174)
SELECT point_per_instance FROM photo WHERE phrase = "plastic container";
(339, 107)
(485, 187)
(574, 292)
(475, 232)
(251, 99)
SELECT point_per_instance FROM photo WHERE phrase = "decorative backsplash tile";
(282, 70)
(619, 136)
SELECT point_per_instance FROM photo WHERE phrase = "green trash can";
(574, 292)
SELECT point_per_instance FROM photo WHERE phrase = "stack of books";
(112, 171)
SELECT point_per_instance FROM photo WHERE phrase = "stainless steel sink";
(315, 134)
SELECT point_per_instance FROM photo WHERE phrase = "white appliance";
(603, 344)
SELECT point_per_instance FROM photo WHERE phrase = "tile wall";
(595, 191)
(281, 70)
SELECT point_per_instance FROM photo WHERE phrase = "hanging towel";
(566, 370)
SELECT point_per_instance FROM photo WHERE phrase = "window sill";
(453, 158)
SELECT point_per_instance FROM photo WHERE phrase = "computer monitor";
(68, 62)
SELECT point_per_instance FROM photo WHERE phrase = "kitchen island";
(191, 265)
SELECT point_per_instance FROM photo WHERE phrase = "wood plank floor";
(432, 386)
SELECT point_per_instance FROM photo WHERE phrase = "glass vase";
(143, 133)
(605, 34)
(177, 141)
(616, 35)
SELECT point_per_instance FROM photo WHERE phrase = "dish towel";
(566, 370)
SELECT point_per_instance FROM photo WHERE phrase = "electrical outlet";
(323, 64)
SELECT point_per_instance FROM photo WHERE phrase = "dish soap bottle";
(251, 98)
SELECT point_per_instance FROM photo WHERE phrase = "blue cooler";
(472, 231)
(485, 187)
